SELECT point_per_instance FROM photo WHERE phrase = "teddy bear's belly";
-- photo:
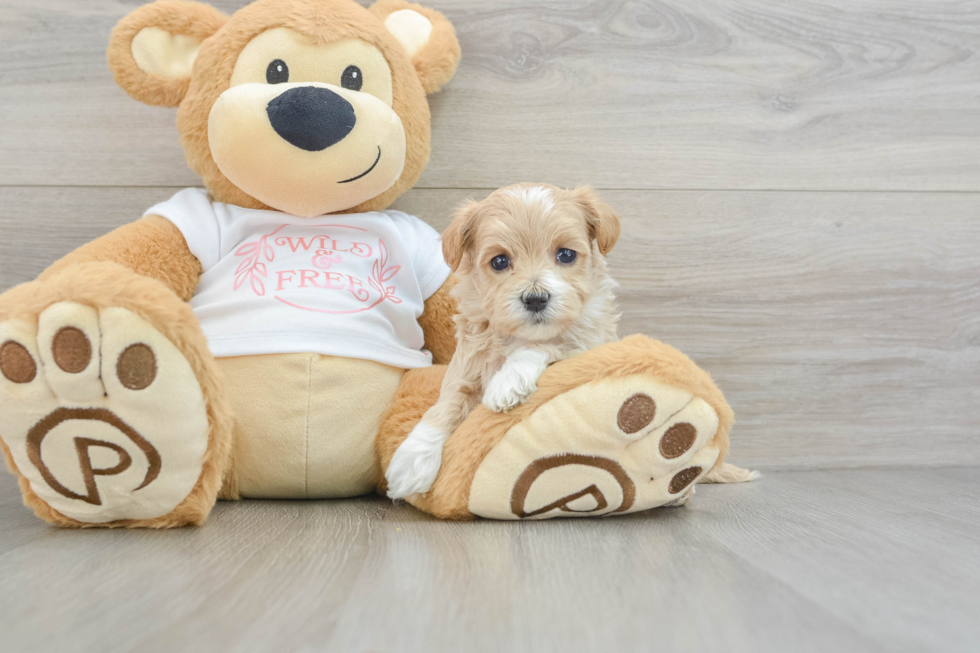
(305, 424)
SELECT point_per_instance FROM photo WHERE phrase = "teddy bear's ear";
(602, 220)
(152, 50)
(428, 38)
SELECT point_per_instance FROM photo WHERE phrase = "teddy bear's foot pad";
(101, 413)
(608, 447)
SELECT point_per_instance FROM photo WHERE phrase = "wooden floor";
(800, 190)
(847, 560)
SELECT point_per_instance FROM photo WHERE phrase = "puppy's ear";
(602, 220)
(152, 50)
(427, 36)
(458, 236)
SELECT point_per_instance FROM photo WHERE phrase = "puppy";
(533, 289)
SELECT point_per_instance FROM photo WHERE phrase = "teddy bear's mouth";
(366, 171)
(256, 157)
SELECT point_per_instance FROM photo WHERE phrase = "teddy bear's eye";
(277, 72)
(352, 78)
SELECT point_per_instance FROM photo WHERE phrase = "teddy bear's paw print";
(608, 447)
(101, 413)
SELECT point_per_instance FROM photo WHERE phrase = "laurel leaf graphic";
(390, 272)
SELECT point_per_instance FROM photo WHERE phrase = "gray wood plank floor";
(854, 560)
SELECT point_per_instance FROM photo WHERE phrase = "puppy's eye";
(277, 72)
(352, 78)
(566, 256)
(500, 263)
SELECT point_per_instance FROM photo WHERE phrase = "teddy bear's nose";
(311, 118)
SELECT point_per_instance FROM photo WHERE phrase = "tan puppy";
(533, 289)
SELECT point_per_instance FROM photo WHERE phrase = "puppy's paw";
(515, 382)
(507, 390)
(415, 465)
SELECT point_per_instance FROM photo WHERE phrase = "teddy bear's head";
(303, 106)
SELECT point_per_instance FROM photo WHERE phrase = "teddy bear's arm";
(152, 246)
(437, 323)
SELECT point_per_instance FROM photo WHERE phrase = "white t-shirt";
(344, 285)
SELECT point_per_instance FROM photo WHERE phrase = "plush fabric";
(114, 425)
(178, 17)
(437, 323)
(159, 53)
(436, 61)
(346, 19)
(470, 444)
(152, 247)
(147, 268)
(106, 285)
(106, 338)
(305, 424)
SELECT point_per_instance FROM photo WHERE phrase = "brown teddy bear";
(276, 335)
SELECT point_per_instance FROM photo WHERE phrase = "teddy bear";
(278, 334)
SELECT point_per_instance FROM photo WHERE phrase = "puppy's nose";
(311, 118)
(535, 302)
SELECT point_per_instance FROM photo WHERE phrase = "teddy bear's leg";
(624, 427)
(112, 411)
